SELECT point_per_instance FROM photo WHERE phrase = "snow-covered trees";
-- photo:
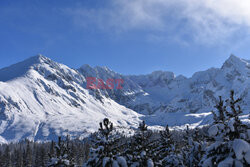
(195, 147)
(62, 155)
(165, 150)
(227, 143)
(165, 144)
(170, 154)
(229, 137)
(105, 151)
(139, 150)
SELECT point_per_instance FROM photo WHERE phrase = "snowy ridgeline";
(225, 143)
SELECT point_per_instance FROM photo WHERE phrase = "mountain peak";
(19, 69)
(234, 58)
(85, 66)
(233, 61)
(37, 59)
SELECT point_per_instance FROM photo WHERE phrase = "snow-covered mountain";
(164, 97)
(41, 99)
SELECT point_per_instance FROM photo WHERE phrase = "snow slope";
(45, 99)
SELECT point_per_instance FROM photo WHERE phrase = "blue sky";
(128, 36)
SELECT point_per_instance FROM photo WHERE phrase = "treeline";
(40, 154)
(224, 143)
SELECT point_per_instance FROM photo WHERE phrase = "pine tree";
(174, 155)
(61, 156)
(195, 148)
(105, 151)
(28, 155)
(37, 160)
(18, 157)
(139, 148)
(7, 157)
(163, 146)
(228, 137)
(44, 156)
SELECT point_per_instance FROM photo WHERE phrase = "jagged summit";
(99, 70)
(234, 58)
(235, 66)
(234, 61)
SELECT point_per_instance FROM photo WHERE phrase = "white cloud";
(202, 21)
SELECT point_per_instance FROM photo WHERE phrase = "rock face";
(40, 99)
